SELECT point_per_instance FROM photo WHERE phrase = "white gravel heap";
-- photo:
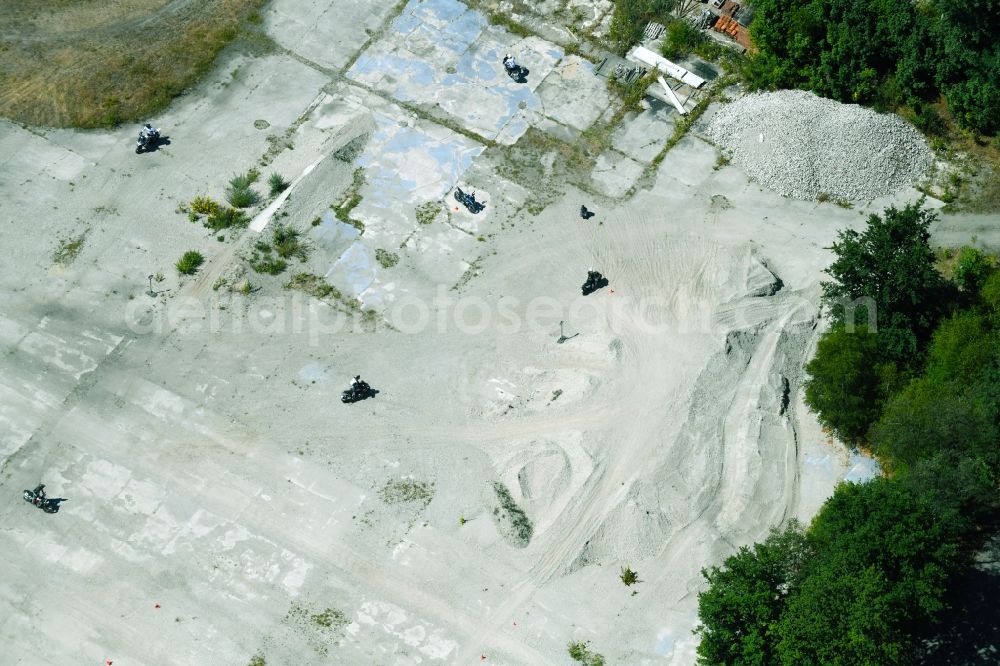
(798, 144)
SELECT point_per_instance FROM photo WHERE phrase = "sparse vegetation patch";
(226, 218)
(428, 211)
(580, 652)
(321, 630)
(385, 258)
(313, 285)
(343, 211)
(405, 491)
(512, 519)
(68, 249)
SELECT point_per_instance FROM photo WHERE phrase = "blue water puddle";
(407, 21)
(401, 160)
(862, 469)
(442, 54)
(664, 644)
(332, 234)
(313, 373)
(442, 10)
(355, 268)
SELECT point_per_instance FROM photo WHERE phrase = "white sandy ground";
(210, 468)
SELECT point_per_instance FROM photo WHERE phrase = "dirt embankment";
(95, 64)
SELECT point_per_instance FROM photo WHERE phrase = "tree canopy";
(890, 265)
(885, 52)
(870, 576)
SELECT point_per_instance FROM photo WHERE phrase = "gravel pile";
(800, 145)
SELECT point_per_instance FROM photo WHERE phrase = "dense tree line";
(869, 576)
(885, 52)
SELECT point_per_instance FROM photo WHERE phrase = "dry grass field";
(96, 63)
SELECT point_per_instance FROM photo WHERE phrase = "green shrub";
(428, 211)
(277, 184)
(267, 264)
(242, 197)
(580, 651)
(385, 258)
(288, 243)
(630, 18)
(203, 205)
(681, 39)
(972, 269)
(189, 262)
(225, 218)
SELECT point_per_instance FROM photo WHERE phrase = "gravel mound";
(800, 145)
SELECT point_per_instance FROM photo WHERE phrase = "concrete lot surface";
(220, 500)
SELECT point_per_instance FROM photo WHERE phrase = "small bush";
(242, 197)
(972, 269)
(277, 184)
(682, 38)
(428, 211)
(204, 205)
(580, 651)
(720, 161)
(189, 263)
(257, 660)
(267, 264)
(385, 258)
(929, 121)
(288, 243)
(226, 218)
(242, 181)
(628, 576)
(823, 197)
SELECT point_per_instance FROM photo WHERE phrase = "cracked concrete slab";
(443, 55)
(642, 135)
(326, 32)
(615, 173)
(572, 95)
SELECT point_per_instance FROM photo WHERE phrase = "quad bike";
(37, 498)
(469, 201)
(594, 282)
(147, 141)
(359, 390)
